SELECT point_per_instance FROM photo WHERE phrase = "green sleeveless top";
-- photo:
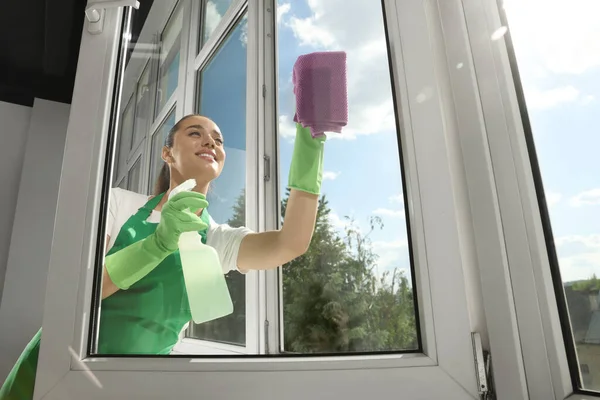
(148, 317)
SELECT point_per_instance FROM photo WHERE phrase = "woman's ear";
(166, 155)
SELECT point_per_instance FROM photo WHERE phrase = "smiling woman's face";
(197, 151)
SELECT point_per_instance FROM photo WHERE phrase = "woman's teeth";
(209, 157)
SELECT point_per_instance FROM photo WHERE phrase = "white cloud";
(336, 221)
(553, 198)
(393, 253)
(310, 34)
(287, 127)
(389, 213)
(390, 245)
(591, 241)
(588, 198)
(358, 31)
(398, 198)
(588, 99)
(558, 36)
(244, 32)
(282, 10)
(582, 264)
(544, 99)
(579, 266)
(330, 175)
(213, 17)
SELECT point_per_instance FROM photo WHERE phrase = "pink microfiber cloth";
(321, 92)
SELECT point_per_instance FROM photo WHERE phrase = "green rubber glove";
(129, 265)
(306, 169)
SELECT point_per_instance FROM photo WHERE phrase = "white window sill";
(187, 346)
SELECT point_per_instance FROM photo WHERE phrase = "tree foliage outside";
(587, 285)
(333, 300)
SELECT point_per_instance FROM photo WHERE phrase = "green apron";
(144, 319)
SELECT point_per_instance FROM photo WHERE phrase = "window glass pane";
(133, 179)
(158, 141)
(212, 12)
(138, 310)
(223, 99)
(557, 48)
(124, 140)
(168, 73)
(352, 291)
(143, 108)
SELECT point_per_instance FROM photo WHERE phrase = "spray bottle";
(205, 283)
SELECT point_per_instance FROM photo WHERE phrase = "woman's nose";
(208, 140)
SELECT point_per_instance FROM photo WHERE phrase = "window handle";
(94, 12)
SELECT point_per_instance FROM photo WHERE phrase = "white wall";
(14, 125)
(21, 308)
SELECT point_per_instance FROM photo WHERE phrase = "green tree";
(332, 299)
(588, 285)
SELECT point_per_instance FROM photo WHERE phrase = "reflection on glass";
(168, 73)
(133, 178)
(213, 12)
(158, 141)
(223, 99)
(352, 290)
(124, 139)
(143, 109)
(556, 48)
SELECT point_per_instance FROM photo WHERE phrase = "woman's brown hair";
(163, 180)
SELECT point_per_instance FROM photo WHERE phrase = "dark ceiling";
(39, 46)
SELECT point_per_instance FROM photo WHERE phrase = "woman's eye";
(219, 141)
(194, 133)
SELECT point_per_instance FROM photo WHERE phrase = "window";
(556, 51)
(222, 97)
(168, 73)
(213, 12)
(400, 129)
(353, 290)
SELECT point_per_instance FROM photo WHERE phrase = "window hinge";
(264, 91)
(94, 12)
(483, 368)
(267, 336)
(267, 165)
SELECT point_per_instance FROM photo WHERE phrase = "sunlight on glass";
(557, 46)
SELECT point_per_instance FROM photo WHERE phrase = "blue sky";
(557, 45)
(362, 169)
(558, 51)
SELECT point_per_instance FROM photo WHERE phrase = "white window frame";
(197, 59)
(452, 235)
(539, 326)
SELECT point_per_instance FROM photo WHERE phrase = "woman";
(144, 300)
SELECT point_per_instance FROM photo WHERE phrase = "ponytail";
(163, 181)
